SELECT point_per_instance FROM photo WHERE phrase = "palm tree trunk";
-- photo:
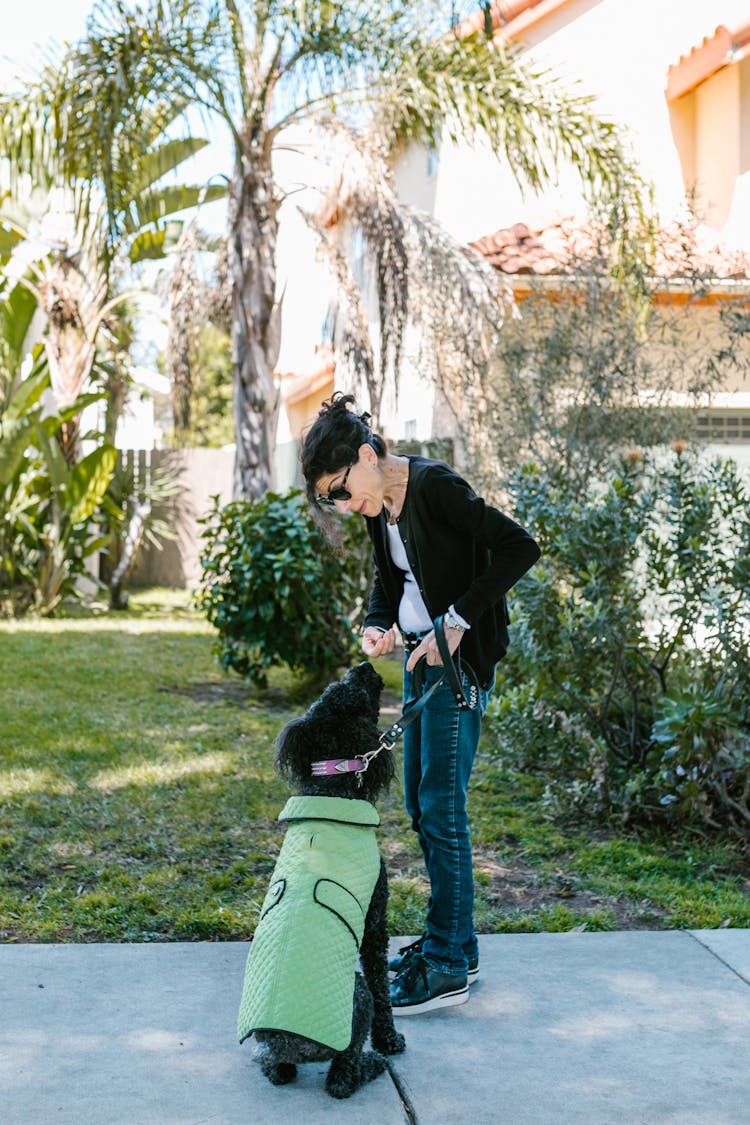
(253, 227)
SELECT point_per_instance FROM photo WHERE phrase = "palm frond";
(421, 275)
(161, 159)
(10, 236)
(335, 52)
(161, 203)
(119, 90)
(471, 89)
(154, 244)
(26, 136)
(17, 308)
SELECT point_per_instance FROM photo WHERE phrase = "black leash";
(452, 670)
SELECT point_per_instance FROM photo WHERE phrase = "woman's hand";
(428, 647)
(377, 643)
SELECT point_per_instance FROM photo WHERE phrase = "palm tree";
(74, 245)
(389, 70)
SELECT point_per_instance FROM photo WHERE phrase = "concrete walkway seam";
(721, 960)
(410, 1115)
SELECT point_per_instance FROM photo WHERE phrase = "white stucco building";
(675, 75)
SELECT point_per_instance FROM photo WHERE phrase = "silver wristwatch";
(452, 622)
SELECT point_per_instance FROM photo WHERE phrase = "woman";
(439, 550)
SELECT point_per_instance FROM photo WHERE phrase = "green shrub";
(48, 509)
(703, 759)
(534, 736)
(626, 682)
(275, 590)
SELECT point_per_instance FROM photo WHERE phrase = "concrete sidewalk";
(561, 1029)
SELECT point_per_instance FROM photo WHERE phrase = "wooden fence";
(202, 474)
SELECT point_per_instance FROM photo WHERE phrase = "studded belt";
(412, 640)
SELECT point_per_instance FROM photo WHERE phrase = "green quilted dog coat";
(302, 960)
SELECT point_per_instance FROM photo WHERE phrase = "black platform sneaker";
(419, 988)
(401, 959)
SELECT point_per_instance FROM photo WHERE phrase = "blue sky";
(33, 25)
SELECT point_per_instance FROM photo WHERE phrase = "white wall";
(617, 50)
(717, 148)
(303, 282)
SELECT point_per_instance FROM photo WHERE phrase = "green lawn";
(138, 803)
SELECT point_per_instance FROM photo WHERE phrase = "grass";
(139, 804)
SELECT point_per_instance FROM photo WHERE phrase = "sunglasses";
(341, 492)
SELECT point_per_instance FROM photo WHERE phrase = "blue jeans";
(439, 751)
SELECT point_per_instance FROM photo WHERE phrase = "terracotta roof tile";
(519, 250)
(724, 48)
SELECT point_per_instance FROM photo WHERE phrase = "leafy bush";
(46, 506)
(703, 760)
(538, 738)
(276, 592)
(627, 679)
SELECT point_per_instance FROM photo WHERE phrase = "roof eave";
(724, 48)
(677, 290)
(510, 18)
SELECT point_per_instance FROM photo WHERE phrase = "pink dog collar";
(329, 767)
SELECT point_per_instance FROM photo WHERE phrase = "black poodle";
(303, 998)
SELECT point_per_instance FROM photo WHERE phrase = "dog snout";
(366, 679)
(368, 674)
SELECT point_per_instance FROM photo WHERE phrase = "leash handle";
(453, 667)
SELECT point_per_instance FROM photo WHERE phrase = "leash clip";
(366, 758)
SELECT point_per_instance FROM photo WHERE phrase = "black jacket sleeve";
(511, 551)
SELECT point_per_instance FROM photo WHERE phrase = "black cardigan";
(462, 552)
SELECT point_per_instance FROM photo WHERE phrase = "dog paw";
(389, 1041)
(373, 1064)
(342, 1085)
(344, 1080)
(280, 1074)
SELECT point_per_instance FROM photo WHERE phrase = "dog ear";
(292, 750)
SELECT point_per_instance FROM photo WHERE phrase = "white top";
(413, 615)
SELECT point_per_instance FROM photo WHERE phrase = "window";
(724, 426)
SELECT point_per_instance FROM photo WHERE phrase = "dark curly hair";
(332, 441)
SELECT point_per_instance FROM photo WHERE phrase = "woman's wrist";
(453, 620)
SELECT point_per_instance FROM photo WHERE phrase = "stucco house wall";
(619, 51)
(624, 53)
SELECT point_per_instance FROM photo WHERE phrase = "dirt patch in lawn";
(516, 888)
(239, 694)
(229, 691)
